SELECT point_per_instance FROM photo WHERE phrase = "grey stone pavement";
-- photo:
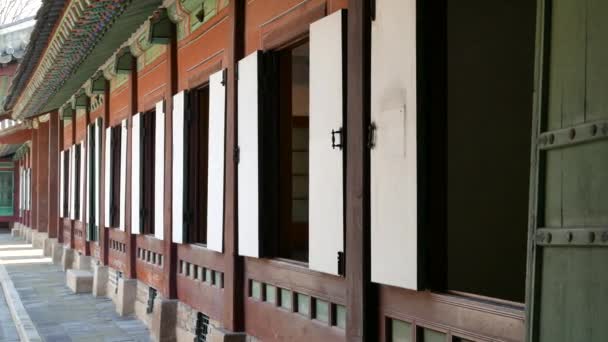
(58, 314)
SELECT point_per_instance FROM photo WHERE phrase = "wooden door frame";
(541, 68)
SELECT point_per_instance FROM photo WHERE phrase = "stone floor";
(58, 314)
(8, 332)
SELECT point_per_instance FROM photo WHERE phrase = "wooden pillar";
(169, 248)
(60, 145)
(53, 174)
(130, 247)
(233, 272)
(28, 164)
(85, 155)
(42, 177)
(73, 139)
(361, 317)
(103, 231)
(34, 183)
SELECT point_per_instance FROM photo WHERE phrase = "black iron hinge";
(372, 9)
(224, 77)
(339, 132)
(371, 135)
(341, 264)
(237, 154)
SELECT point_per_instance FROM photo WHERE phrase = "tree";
(13, 10)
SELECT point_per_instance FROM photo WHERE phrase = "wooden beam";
(361, 316)
(169, 248)
(34, 177)
(130, 245)
(42, 180)
(53, 174)
(103, 231)
(233, 271)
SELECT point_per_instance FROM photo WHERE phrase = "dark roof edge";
(46, 19)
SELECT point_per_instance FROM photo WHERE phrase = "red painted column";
(34, 178)
(53, 174)
(42, 177)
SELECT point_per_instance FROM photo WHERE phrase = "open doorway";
(477, 154)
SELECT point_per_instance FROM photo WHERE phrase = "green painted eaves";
(128, 22)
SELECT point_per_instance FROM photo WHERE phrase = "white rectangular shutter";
(107, 176)
(215, 164)
(61, 184)
(248, 180)
(73, 182)
(29, 189)
(393, 176)
(97, 168)
(84, 212)
(325, 213)
(28, 193)
(135, 174)
(177, 185)
(83, 180)
(159, 170)
(21, 188)
(123, 174)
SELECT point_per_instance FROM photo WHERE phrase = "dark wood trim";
(291, 26)
(201, 77)
(103, 231)
(297, 277)
(85, 155)
(34, 179)
(169, 289)
(360, 303)
(234, 284)
(130, 244)
(470, 318)
(53, 173)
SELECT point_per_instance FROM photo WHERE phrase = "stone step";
(79, 281)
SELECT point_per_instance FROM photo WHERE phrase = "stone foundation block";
(56, 251)
(222, 335)
(124, 300)
(47, 245)
(67, 258)
(82, 262)
(28, 235)
(163, 320)
(79, 281)
(38, 239)
(100, 280)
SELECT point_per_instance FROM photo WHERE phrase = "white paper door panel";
(248, 180)
(135, 174)
(86, 181)
(177, 197)
(394, 225)
(97, 168)
(123, 174)
(159, 170)
(61, 185)
(107, 177)
(215, 172)
(325, 214)
(72, 182)
(83, 180)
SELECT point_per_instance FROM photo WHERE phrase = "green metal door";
(568, 243)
